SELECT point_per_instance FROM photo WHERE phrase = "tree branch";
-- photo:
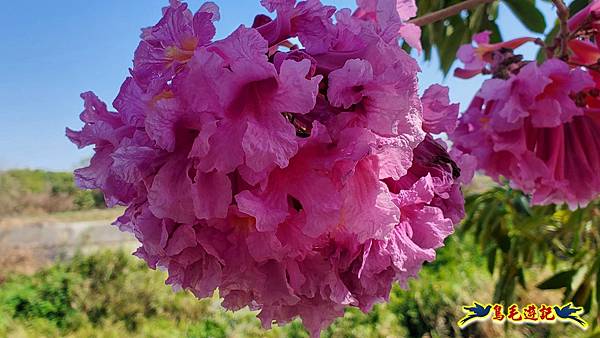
(448, 12)
(563, 16)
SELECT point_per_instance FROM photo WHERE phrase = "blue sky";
(51, 51)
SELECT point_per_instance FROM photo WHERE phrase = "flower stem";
(563, 16)
(448, 12)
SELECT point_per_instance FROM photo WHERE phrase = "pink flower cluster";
(534, 124)
(477, 58)
(295, 180)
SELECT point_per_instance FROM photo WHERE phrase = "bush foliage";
(114, 295)
(35, 191)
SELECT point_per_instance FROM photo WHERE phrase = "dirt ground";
(28, 243)
(61, 217)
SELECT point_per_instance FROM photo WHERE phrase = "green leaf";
(587, 306)
(560, 280)
(577, 5)
(598, 290)
(493, 27)
(521, 278)
(583, 296)
(476, 18)
(504, 242)
(491, 261)
(529, 15)
(493, 9)
(522, 205)
(451, 45)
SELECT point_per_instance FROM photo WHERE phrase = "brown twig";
(563, 16)
(447, 12)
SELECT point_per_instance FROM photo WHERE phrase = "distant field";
(33, 192)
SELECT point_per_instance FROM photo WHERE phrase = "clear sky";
(53, 50)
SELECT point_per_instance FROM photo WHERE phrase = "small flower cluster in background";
(537, 125)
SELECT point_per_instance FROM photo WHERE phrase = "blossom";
(309, 20)
(536, 129)
(439, 115)
(107, 132)
(585, 52)
(476, 58)
(295, 180)
(173, 40)
(391, 18)
(584, 27)
(587, 18)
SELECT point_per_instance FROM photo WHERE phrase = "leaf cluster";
(520, 242)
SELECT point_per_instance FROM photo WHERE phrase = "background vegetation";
(504, 252)
(36, 191)
(112, 294)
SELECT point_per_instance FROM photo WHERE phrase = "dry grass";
(22, 261)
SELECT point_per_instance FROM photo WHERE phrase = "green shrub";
(115, 295)
(27, 191)
(92, 293)
(31, 181)
(48, 295)
(207, 328)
